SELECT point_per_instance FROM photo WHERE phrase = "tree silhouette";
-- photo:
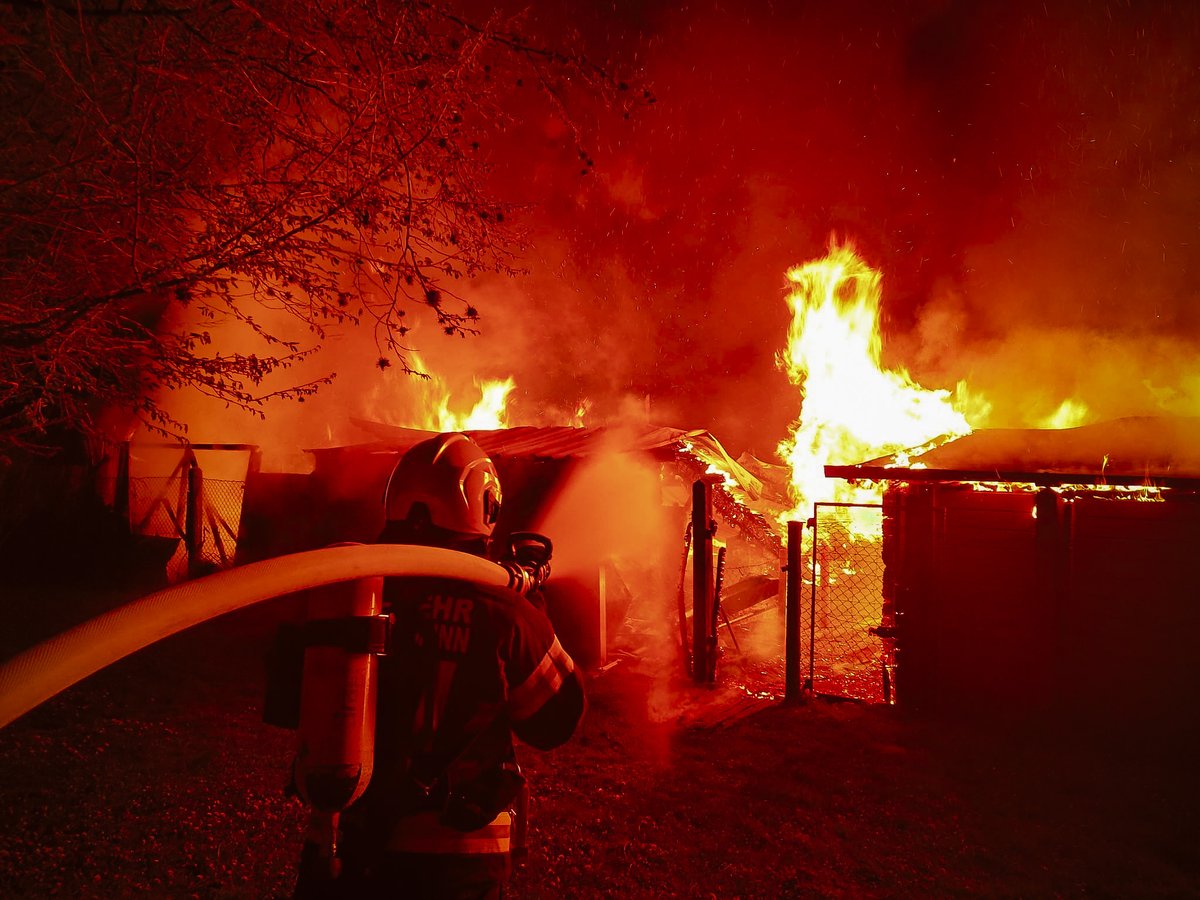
(205, 160)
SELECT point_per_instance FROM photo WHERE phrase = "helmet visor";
(491, 507)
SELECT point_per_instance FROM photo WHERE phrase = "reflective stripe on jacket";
(423, 833)
(543, 682)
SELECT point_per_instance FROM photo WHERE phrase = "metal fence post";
(121, 484)
(818, 571)
(193, 531)
(703, 661)
(791, 690)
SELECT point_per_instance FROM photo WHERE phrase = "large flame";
(489, 413)
(428, 403)
(853, 409)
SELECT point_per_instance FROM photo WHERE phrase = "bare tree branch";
(223, 158)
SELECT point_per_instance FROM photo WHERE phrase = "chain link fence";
(158, 507)
(221, 518)
(847, 655)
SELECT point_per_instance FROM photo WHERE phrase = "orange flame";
(853, 409)
(582, 410)
(488, 414)
(428, 403)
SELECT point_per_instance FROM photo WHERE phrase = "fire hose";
(42, 671)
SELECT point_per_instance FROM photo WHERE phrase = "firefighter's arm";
(555, 720)
(546, 696)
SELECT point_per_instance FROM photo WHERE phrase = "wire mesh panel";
(186, 503)
(846, 657)
(158, 505)
(222, 512)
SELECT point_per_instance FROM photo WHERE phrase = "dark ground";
(156, 777)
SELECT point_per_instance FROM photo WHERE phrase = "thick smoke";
(1083, 283)
(1023, 174)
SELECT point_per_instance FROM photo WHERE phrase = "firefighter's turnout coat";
(467, 668)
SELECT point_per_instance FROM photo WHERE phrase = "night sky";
(1023, 174)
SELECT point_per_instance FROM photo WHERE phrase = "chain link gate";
(849, 654)
(203, 513)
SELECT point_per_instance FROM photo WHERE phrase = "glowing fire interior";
(853, 408)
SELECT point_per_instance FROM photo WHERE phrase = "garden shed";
(1056, 571)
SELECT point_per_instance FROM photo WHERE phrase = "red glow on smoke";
(1019, 176)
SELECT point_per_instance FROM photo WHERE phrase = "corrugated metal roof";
(553, 442)
(697, 451)
(566, 442)
(1131, 451)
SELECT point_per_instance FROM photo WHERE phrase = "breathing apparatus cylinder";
(345, 633)
(336, 736)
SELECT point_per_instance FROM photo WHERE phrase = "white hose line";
(37, 674)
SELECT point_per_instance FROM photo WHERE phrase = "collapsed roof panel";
(697, 452)
(568, 442)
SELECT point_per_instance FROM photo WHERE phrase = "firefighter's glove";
(531, 552)
(523, 579)
(538, 574)
(475, 804)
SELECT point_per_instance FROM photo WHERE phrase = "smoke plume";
(1023, 174)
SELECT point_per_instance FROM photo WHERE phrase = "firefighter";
(467, 668)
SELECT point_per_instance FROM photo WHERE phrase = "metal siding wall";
(908, 542)
(993, 635)
(1093, 608)
(1132, 609)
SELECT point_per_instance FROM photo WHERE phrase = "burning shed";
(1038, 570)
(615, 502)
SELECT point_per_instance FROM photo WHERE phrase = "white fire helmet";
(453, 479)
